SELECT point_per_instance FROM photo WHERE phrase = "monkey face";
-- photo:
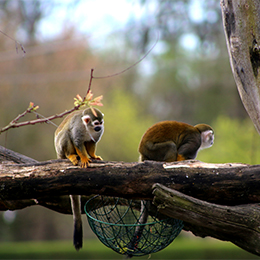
(207, 139)
(97, 125)
(94, 128)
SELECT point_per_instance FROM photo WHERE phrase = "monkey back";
(169, 131)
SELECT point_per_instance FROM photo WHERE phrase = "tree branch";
(227, 184)
(241, 21)
(238, 224)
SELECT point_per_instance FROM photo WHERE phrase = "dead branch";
(238, 224)
(225, 184)
(87, 100)
(16, 42)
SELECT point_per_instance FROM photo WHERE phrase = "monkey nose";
(97, 128)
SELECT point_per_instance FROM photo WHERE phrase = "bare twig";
(79, 102)
(13, 124)
(121, 72)
(87, 100)
(16, 42)
(90, 80)
(39, 115)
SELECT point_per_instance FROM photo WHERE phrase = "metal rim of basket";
(117, 224)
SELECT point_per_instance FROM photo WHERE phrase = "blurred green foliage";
(124, 126)
(235, 141)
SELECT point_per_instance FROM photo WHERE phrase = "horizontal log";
(226, 184)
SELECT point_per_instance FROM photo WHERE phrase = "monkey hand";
(73, 159)
(84, 162)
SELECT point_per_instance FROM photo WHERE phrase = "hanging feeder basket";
(115, 221)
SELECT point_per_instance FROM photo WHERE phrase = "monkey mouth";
(97, 128)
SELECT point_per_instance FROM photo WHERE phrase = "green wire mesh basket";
(118, 225)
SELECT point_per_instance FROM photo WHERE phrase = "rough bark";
(224, 184)
(241, 21)
(238, 224)
(10, 156)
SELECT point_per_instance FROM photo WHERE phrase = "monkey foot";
(180, 157)
(73, 159)
(97, 158)
(85, 162)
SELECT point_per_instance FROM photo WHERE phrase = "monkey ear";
(86, 119)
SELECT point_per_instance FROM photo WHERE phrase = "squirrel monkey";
(76, 137)
(169, 141)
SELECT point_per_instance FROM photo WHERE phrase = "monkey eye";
(96, 122)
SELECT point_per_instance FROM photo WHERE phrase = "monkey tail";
(76, 210)
(77, 237)
(145, 205)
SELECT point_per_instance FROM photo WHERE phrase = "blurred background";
(186, 77)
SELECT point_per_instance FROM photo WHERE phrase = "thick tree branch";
(225, 184)
(238, 224)
(11, 156)
(241, 21)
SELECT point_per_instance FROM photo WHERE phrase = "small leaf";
(93, 111)
(97, 101)
(79, 98)
(89, 95)
(35, 108)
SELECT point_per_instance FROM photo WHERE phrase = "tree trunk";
(241, 21)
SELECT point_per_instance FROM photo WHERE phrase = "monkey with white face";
(170, 141)
(76, 137)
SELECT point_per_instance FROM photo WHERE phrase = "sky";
(99, 18)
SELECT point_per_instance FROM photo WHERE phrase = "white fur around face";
(207, 139)
(85, 120)
(90, 131)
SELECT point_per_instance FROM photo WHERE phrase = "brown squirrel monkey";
(169, 141)
(76, 137)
